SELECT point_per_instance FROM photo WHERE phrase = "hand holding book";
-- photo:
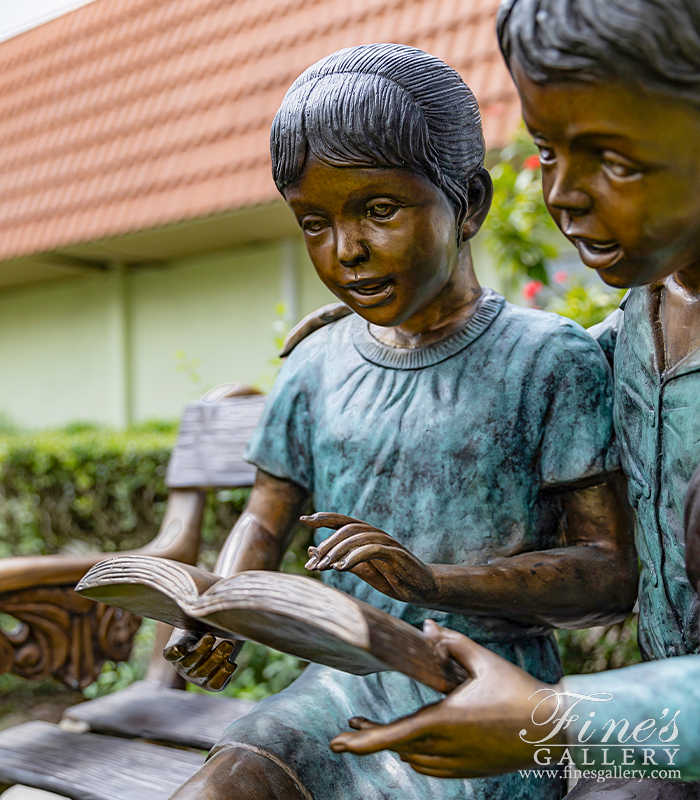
(290, 613)
(207, 662)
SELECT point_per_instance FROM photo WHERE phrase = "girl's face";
(621, 176)
(384, 241)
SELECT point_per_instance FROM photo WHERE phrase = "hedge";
(69, 492)
(99, 490)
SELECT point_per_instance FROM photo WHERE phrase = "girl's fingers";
(420, 758)
(441, 773)
(327, 519)
(199, 652)
(371, 737)
(208, 666)
(374, 551)
(317, 554)
(221, 677)
(329, 558)
(361, 723)
(175, 652)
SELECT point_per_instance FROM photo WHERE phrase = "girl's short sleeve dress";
(461, 451)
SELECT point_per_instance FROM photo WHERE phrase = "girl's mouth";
(598, 255)
(370, 291)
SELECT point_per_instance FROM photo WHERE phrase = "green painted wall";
(137, 345)
(219, 312)
(152, 340)
(55, 364)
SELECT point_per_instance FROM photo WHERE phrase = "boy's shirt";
(657, 421)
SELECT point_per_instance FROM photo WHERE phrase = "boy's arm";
(506, 720)
(589, 581)
(258, 540)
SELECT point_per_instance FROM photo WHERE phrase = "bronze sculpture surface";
(460, 446)
(610, 95)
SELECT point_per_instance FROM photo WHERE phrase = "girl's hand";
(205, 661)
(475, 730)
(372, 555)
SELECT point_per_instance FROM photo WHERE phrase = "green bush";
(92, 489)
(518, 231)
(89, 489)
(599, 649)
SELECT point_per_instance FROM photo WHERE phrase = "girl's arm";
(590, 580)
(262, 534)
(258, 540)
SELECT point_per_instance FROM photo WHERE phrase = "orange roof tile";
(130, 114)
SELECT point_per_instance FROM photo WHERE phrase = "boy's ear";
(480, 198)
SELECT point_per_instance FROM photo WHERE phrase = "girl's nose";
(350, 247)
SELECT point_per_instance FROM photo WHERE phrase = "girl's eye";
(620, 168)
(313, 225)
(382, 210)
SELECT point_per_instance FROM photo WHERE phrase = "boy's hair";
(381, 105)
(652, 43)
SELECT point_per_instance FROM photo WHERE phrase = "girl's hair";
(650, 43)
(381, 105)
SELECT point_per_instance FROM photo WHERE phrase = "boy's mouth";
(370, 290)
(598, 255)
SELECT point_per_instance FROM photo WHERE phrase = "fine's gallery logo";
(594, 739)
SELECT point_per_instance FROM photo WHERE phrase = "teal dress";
(461, 451)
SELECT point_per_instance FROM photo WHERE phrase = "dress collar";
(488, 307)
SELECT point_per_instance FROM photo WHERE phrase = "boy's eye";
(382, 210)
(546, 153)
(313, 224)
(619, 167)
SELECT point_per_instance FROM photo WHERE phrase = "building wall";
(111, 347)
(118, 347)
(54, 363)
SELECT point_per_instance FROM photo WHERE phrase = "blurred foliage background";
(84, 488)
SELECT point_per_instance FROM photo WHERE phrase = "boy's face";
(383, 241)
(621, 176)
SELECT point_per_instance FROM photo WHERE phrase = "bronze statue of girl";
(474, 436)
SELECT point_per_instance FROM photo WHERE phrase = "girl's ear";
(480, 197)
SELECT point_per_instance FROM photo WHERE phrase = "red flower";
(532, 289)
(561, 276)
(532, 162)
(495, 110)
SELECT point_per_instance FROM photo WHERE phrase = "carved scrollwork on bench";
(62, 635)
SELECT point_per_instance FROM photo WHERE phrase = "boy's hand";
(475, 731)
(205, 661)
(372, 555)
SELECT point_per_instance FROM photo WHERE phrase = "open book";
(297, 615)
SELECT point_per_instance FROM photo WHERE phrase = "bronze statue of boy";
(611, 94)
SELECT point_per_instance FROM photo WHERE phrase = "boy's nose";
(566, 191)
